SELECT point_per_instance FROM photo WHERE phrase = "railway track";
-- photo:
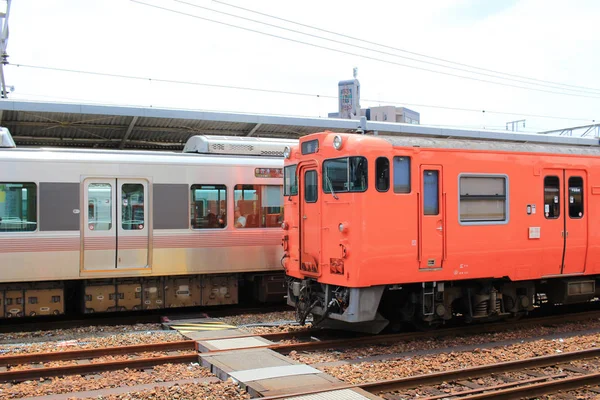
(22, 367)
(306, 341)
(563, 376)
(28, 324)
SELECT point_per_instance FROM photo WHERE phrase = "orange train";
(427, 229)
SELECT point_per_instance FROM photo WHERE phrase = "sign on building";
(349, 99)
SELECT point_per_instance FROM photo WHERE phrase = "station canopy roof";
(43, 124)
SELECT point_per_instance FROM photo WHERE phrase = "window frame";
(393, 176)
(285, 194)
(259, 198)
(316, 186)
(190, 202)
(389, 174)
(569, 197)
(37, 208)
(559, 197)
(506, 200)
(328, 190)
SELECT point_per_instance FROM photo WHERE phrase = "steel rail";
(395, 337)
(98, 352)
(387, 386)
(36, 373)
(497, 387)
(538, 389)
(474, 372)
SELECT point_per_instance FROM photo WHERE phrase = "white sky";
(544, 39)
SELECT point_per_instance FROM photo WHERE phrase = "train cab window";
(575, 197)
(258, 206)
(401, 174)
(208, 206)
(132, 210)
(18, 207)
(310, 186)
(100, 206)
(347, 174)
(483, 199)
(290, 186)
(382, 174)
(551, 197)
(431, 201)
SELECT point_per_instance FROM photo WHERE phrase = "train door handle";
(439, 228)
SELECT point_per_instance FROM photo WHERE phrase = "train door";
(575, 222)
(116, 232)
(552, 227)
(431, 217)
(132, 230)
(310, 218)
(564, 228)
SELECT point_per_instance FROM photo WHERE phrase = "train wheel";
(20, 314)
(56, 312)
(9, 315)
(32, 314)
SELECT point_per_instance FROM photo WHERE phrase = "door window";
(552, 197)
(310, 186)
(430, 193)
(132, 215)
(100, 206)
(575, 197)
(382, 174)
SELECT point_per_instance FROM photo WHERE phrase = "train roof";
(589, 149)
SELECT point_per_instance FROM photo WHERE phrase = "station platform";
(263, 372)
(236, 355)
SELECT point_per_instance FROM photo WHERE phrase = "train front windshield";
(348, 174)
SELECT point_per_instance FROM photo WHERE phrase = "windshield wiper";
(330, 186)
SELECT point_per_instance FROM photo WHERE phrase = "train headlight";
(287, 152)
(343, 227)
(284, 226)
(337, 142)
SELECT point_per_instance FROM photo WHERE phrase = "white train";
(101, 230)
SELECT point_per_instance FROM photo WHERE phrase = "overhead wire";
(399, 49)
(360, 55)
(489, 75)
(292, 93)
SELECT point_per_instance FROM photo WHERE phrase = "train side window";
(18, 207)
(483, 199)
(575, 197)
(32, 300)
(290, 179)
(100, 206)
(208, 206)
(552, 197)
(382, 174)
(401, 174)
(132, 210)
(258, 206)
(431, 203)
(310, 186)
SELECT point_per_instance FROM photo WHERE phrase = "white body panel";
(90, 253)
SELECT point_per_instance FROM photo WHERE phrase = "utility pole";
(515, 125)
(3, 44)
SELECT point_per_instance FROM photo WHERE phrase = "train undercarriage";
(430, 304)
(131, 294)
